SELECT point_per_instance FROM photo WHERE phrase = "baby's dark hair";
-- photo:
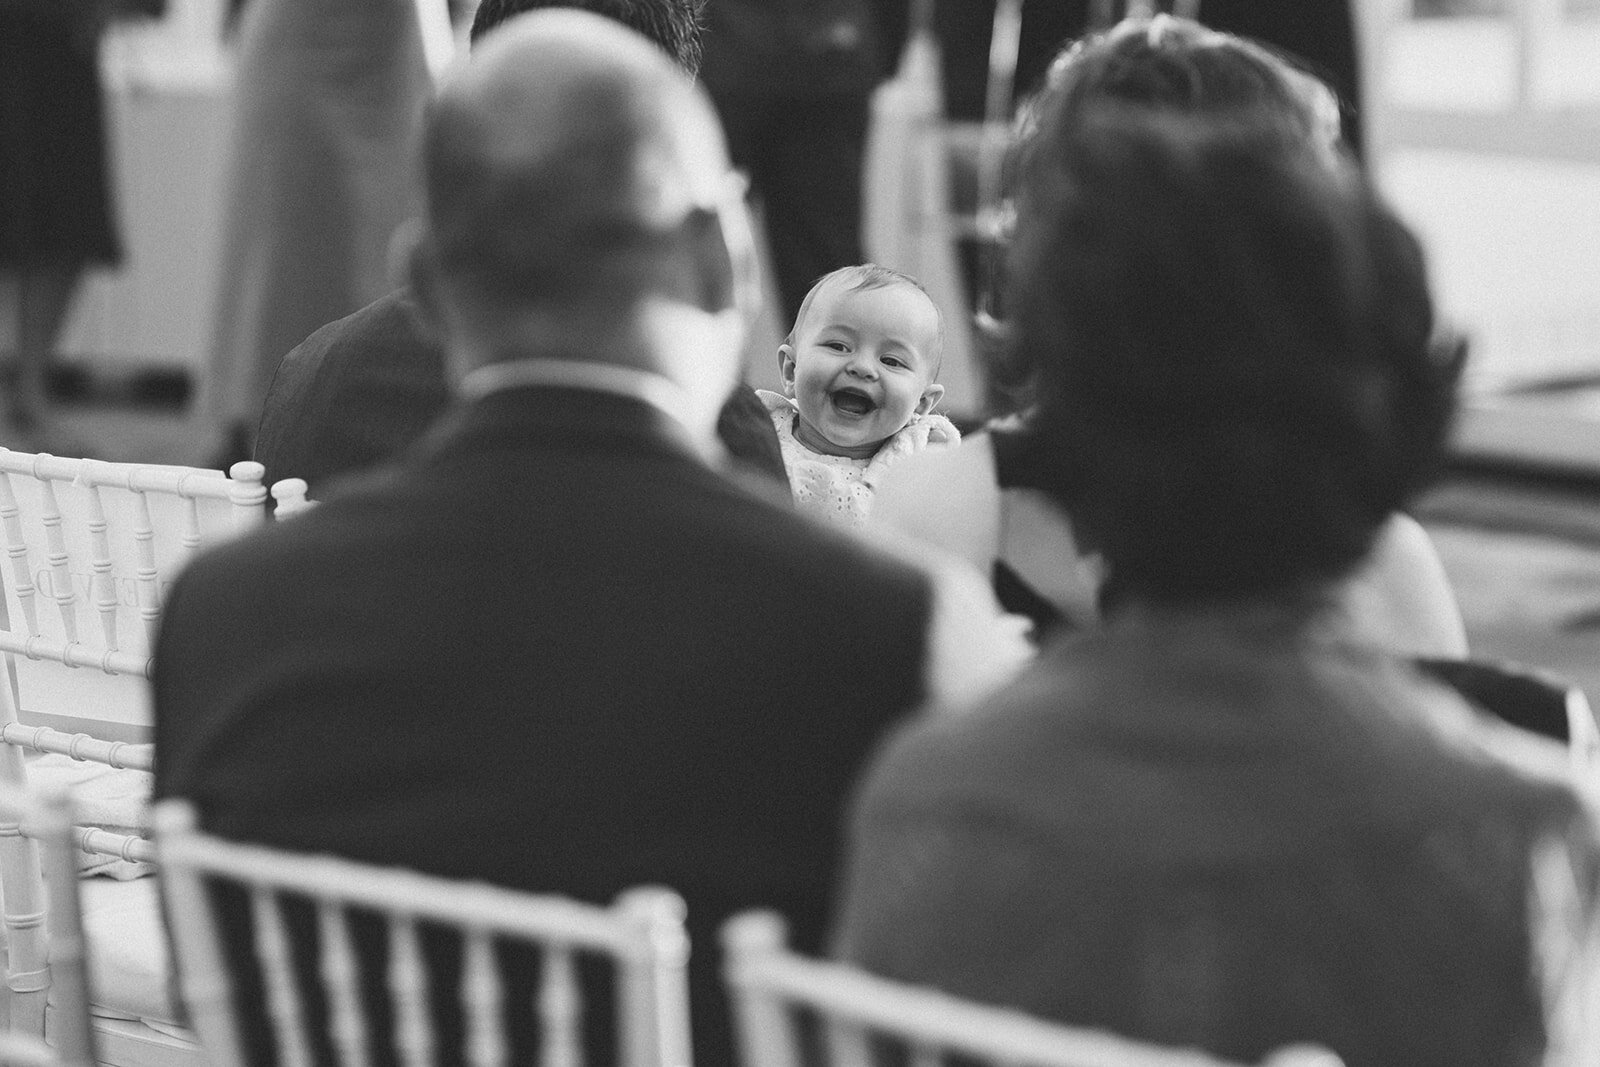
(860, 278)
(1237, 375)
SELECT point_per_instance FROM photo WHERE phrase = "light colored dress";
(838, 489)
(326, 128)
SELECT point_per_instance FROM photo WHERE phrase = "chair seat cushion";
(128, 959)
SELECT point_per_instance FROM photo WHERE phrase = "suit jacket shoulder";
(352, 395)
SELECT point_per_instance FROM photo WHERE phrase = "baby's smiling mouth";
(852, 401)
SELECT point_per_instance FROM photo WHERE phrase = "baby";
(858, 379)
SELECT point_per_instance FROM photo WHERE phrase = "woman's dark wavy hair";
(1163, 66)
(674, 25)
(1237, 378)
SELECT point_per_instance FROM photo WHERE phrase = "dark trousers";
(804, 158)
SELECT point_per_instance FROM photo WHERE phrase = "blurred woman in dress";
(56, 212)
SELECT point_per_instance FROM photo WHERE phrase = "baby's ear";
(786, 367)
(930, 397)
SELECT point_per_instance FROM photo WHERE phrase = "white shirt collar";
(657, 390)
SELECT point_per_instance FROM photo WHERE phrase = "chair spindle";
(408, 985)
(103, 586)
(144, 539)
(17, 549)
(190, 538)
(765, 1027)
(248, 494)
(283, 1000)
(480, 996)
(341, 975)
(60, 563)
(560, 1010)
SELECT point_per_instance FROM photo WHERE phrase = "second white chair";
(642, 933)
(768, 984)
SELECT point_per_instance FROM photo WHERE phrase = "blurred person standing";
(326, 116)
(56, 214)
(791, 80)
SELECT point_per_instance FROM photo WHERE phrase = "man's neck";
(671, 355)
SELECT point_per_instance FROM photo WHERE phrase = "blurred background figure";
(791, 80)
(327, 111)
(56, 215)
(1319, 33)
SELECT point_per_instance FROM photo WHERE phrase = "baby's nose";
(863, 367)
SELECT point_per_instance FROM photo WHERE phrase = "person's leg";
(809, 179)
(44, 293)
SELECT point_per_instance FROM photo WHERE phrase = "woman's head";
(1233, 343)
(1173, 66)
(1160, 67)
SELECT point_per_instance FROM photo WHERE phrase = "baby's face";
(861, 365)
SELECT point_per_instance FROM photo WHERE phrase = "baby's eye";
(836, 346)
(894, 361)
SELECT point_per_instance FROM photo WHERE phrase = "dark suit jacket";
(361, 389)
(552, 649)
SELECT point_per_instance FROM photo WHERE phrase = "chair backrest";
(768, 985)
(642, 933)
(31, 822)
(289, 497)
(93, 547)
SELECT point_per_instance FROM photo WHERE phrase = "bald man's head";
(565, 163)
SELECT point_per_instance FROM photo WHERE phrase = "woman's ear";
(930, 397)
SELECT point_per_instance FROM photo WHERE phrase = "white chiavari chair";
(41, 823)
(289, 497)
(92, 547)
(642, 933)
(768, 984)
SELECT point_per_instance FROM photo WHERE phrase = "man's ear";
(411, 247)
(930, 397)
(713, 263)
(726, 257)
(786, 367)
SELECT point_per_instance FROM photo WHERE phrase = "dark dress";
(55, 196)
